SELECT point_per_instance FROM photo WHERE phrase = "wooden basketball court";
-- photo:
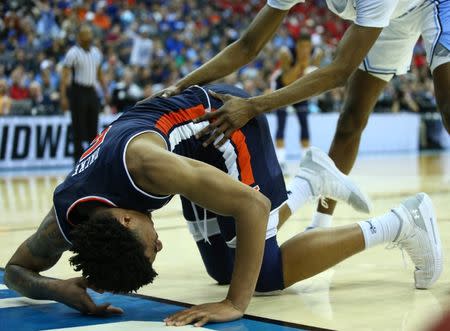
(371, 291)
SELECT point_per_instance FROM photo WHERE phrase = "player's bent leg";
(270, 279)
(411, 226)
(363, 91)
(284, 214)
(217, 258)
(312, 252)
(441, 79)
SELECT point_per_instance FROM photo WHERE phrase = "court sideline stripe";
(250, 317)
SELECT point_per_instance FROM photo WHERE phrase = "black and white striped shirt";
(85, 64)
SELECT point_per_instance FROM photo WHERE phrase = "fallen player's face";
(152, 243)
(143, 227)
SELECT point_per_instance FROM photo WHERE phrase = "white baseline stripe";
(22, 301)
(3, 287)
(130, 325)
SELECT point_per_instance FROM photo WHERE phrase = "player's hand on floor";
(164, 93)
(223, 311)
(73, 293)
(233, 115)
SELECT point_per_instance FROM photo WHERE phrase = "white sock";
(381, 229)
(299, 193)
(321, 220)
(281, 154)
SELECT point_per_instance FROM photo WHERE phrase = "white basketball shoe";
(419, 237)
(326, 180)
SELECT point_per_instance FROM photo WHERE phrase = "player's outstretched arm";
(158, 171)
(236, 112)
(236, 55)
(40, 252)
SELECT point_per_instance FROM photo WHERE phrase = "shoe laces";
(399, 245)
(332, 186)
(403, 246)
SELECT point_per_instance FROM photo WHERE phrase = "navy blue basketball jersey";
(101, 173)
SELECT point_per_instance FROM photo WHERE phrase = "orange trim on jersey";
(95, 143)
(86, 199)
(172, 119)
(243, 157)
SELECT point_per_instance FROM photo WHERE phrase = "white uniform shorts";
(392, 52)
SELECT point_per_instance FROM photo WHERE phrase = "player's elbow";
(262, 203)
(9, 275)
(248, 50)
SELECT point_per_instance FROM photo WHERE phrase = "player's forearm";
(239, 53)
(227, 61)
(319, 81)
(30, 284)
(250, 228)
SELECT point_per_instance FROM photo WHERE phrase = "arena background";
(148, 45)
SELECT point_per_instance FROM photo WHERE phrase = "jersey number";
(95, 143)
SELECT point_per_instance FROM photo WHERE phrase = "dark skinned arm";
(236, 112)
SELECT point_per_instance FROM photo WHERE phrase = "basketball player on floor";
(233, 198)
(378, 45)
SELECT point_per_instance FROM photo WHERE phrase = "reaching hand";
(165, 93)
(73, 293)
(233, 115)
(223, 311)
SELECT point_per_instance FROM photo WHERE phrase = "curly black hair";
(109, 255)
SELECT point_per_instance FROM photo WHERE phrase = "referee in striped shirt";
(83, 61)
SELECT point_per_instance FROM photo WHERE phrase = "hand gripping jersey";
(101, 173)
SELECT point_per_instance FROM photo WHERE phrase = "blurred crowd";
(147, 45)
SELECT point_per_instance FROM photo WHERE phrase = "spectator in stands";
(126, 93)
(142, 47)
(48, 77)
(18, 90)
(36, 98)
(148, 90)
(101, 19)
(405, 100)
(5, 100)
(43, 102)
(182, 34)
